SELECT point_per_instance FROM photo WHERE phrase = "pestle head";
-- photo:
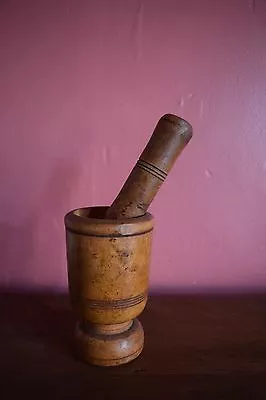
(170, 137)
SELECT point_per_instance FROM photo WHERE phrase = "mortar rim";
(92, 226)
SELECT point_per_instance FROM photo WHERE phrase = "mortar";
(108, 269)
(108, 253)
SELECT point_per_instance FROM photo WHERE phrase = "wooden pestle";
(169, 138)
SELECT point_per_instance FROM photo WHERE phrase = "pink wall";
(82, 85)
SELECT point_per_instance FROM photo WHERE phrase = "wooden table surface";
(202, 347)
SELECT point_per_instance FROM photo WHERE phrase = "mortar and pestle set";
(108, 254)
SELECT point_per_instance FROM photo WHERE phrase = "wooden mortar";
(108, 254)
(108, 264)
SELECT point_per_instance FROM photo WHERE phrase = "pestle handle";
(169, 138)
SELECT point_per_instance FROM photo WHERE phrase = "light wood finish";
(108, 269)
(169, 138)
(108, 253)
(106, 347)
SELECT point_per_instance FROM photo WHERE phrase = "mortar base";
(109, 345)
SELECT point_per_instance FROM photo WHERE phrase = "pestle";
(170, 137)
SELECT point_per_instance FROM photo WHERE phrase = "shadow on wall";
(27, 248)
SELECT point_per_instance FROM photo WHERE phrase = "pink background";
(83, 84)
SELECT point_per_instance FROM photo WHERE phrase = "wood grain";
(206, 346)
